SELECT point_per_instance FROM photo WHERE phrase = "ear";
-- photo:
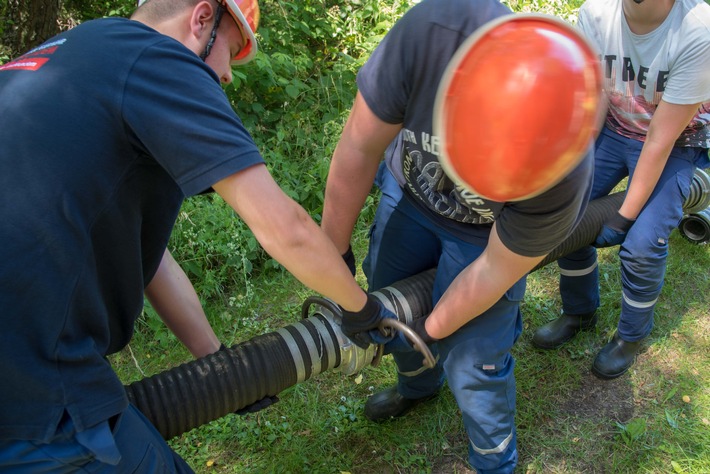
(201, 19)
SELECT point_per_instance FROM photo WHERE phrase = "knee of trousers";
(580, 259)
(643, 265)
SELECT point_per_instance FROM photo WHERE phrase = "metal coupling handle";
(390, 323)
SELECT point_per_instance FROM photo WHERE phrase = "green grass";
(655, 418)
(652, 420)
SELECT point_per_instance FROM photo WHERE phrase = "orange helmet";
(517, 106)
(246, 14)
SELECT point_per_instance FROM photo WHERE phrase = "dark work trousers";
(476, 359)
(129, 443)
(643, 253)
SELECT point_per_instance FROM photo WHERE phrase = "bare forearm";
(346, 191)
(668, 122)
(478, 287)
(307, 253)
(352, 171)
(649, 169)
(174, 299)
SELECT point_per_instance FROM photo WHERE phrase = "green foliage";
(632, 431)
(84, 10)
(214, 247)
(565, 9)
(296, 95)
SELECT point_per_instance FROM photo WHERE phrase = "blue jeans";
(643, 253)
(476, 359)
(132, 444)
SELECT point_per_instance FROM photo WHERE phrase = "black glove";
(613, 231)
(257, 405)
(267, 401)
(349, 258)
(400, 343)
(362, 326)
(418, 327)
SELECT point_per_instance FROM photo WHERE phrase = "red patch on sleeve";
(25, 64)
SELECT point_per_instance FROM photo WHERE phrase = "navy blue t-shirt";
(399, 82)
(105, 129)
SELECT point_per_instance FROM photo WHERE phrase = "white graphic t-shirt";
(671, 63)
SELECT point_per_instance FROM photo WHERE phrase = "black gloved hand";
(613, 231)
(349, 258)
(267, 401)
(400, 343)
(362, 326)
(418, 327)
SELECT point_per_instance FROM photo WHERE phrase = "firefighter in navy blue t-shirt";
(105, 129)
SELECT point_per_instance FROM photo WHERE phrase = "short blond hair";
(159, 10)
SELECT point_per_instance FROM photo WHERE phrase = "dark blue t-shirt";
(399, 83)
(105, 129)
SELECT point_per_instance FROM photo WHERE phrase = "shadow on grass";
(572, 422)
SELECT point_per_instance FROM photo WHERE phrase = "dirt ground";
(601, 399)
(594, 399)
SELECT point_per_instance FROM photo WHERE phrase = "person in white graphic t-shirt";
(655, 57)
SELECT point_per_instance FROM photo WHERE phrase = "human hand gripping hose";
(613, 231)
(362, 327)
(375, 324)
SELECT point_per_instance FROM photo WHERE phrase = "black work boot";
(615, 358)
(390, 404)
(553, 334)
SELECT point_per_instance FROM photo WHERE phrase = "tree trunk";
(28, 23)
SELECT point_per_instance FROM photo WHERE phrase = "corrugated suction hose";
(206, 389)
(695, 224)
(696, 227)
(588, 228)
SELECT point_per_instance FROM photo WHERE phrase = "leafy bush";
(213, 246)
(296, 95)
(565, 9)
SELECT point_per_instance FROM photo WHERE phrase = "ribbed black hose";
(410, 298)
(597, 212)
(206, 389)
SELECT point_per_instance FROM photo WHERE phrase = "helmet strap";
(213, 34)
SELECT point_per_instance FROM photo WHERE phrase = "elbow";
(292, 232)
